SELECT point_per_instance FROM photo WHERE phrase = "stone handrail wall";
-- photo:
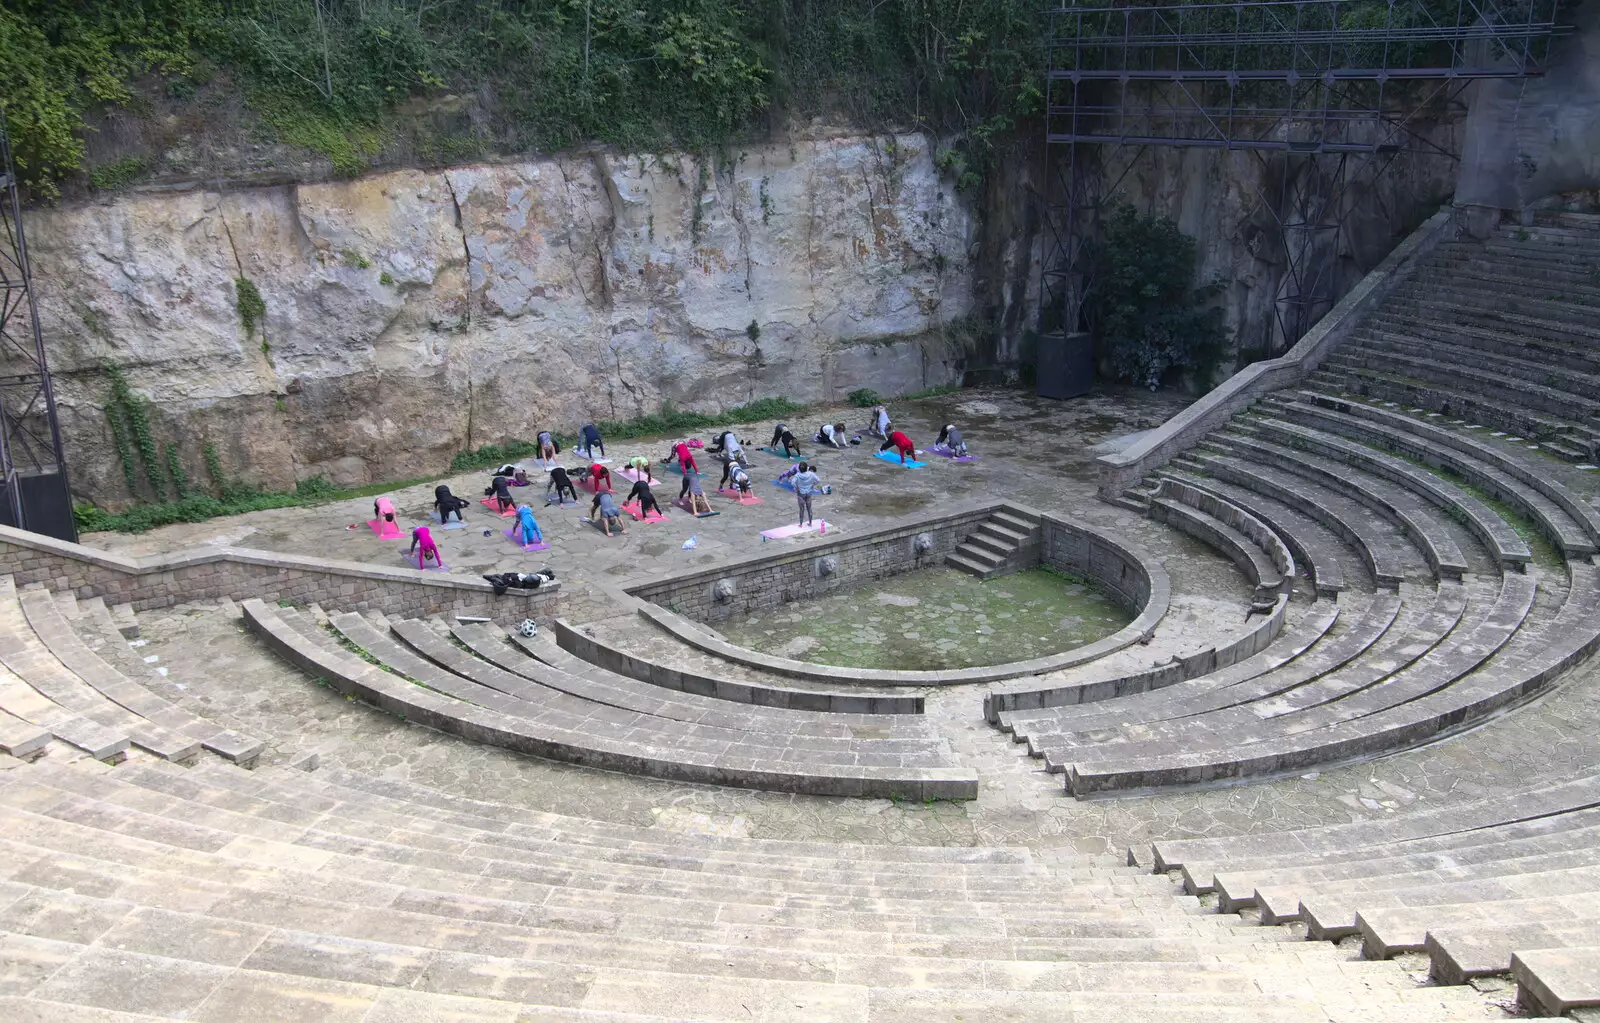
(212, 573)
(1186, 429)
(1130, 574)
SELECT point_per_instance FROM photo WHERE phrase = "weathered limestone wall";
(415, 313)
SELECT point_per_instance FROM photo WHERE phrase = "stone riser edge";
(1124, 571)
(1183, 431)
(238, 574)
(610, 658)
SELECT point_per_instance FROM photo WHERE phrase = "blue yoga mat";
(887, 457)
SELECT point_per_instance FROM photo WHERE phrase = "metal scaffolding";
(1325, 95)
(34, 493)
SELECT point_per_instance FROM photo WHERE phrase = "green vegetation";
(129, 417)
(1143, 310)
(252, 308)
(863, 397)
(352, 78)
(238, 498)
(117, 174)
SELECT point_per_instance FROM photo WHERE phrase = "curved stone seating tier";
(1275, 671)
(1192, 664)
(1502, 542)
(1299, 534)
(215, 894)
(537, 719)
(1525, 664)
(1438, 547)
(1248, 542)
(1345, 518)
(581, 643)
(1516, 367)
(1567, 532)
(1562, 354)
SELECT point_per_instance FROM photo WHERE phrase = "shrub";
(1145, 314)
(864, 397)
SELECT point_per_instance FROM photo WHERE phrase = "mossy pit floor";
(934, 618)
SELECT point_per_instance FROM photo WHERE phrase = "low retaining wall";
(213, 573)
(1186, 429)
(1127, 573)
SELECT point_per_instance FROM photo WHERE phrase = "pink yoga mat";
(528, 548)
(683, 502)
(491, 504)
(385, 530)
(632, 508)
(783, 532)
(741, 498)
(634, 475)
(589, 485)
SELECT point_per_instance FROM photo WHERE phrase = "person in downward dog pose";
(592, 441)
(727, 447)
(733, 474)
(699, 503)
(880, 422)
(685, 458)
(831, 434)
(807, 485)
(383, 508)
(781, 435)
(561, 483)
(599, 474)
(528, 531)
(902, 442)
(500, 489)
(642, 493)
(421, 538)
(447, 504)
(606, 505)
(548, 448)
(950, 440)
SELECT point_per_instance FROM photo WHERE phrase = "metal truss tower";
(1324, 95)
(34, 493)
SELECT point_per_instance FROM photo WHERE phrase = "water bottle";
(691, 543)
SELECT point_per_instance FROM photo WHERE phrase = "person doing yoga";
(606, 505)
(727, 447)
(807, 485)
(500, 489)
(950, 440)
(685, 457)
(699, 504)
(383, 508)
(902, 442)
(642, 493)
(527, 529)
(600, 474)
(447, 504)
(548, 448)
(592, 441)
(781, 435)
(733, 473)
(880, 421)
(561, 483)
(831, 434)
(641, 467)
(420, 537)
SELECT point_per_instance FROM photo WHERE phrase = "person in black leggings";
(561, 483)
(647, 500)
(781, 435)
(447, 504)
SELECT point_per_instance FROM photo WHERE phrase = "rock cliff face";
(412, 314)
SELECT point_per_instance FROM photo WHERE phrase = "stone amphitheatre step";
(1050, 735)
(1330, 917)
(1467, 460)
(1563, 380)
(562, 736)
(1534, 311)
(45, 618)
(1347, 519)
(1309, 551)
(1502, 542)
(1571, 440)
(997, 545)
(29, 661)
(25, 704)
(1562, 405)
(20, 739)
(1487, 276)
(612, 659)
(1251, 544)
(1556, 981)
(1459, 953)
(1551, 354)
(1438, 546)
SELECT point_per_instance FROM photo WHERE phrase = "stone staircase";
(1005, 542)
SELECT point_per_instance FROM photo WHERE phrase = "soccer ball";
(528, 628)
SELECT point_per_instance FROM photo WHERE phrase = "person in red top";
(902, 442)
(598, 474)
(685, 458)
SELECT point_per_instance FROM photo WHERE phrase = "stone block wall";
(1116, 569)
(771, 579)
(238, 574)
